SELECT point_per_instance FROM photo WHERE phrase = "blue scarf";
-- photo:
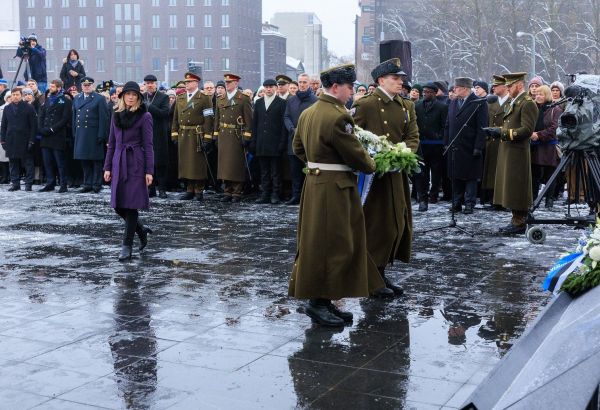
(53, 97)
(73, 63)
(303, 95)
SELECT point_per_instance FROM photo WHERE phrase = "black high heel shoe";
(143, 235)
(125, 253)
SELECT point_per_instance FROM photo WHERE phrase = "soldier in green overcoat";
(497, 103)
(513, 172)
(388, 212)
(192, 129)
(233, 129)
(332, 261)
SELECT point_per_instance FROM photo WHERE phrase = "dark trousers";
(4, 173)
(160, 177)
(132, 225)
(461, 187)
(92, 174)
(540, 174)
(15, 170)
(433, 169)
(54, 159)
(270, 175)
(296, 167)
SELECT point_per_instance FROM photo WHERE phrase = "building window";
(83, 43)
(48, 22)
(172, 20)
(126, 11)
(224, 42)
(155, 3)
(225, 63)
(64, 3)
(156, 43)
(224, 2)
(174, 64)
(47, 4)
(118, 33)
(51, 64)
(31, 22)
(208, 2)
(136, 12)
(137, 33)
(173, 3)
(82, 3)
(208, 64)
(207, 42)
(12, 65)
(191, 42)
(225, 20)
(99, 3)
(100, 43)
(49, 43)
(137, 54)
(127, 33)
(155, 21)
(118, 15)
(190, 2)
(100, 65)
(173, 43)
(66, 43)
(82, 21)
(65, 22)
(190, 21)
(208, 20)
(118, 54)
(156, 64)
(30, 4)
(99, 21)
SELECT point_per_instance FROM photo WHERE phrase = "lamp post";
(533, 38)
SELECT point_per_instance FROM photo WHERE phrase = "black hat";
(269, 82)
(220, 83)
(150, 77)
(282, 79)
(432, 86)
(87, 80)
(130, 86)
(442, 85)
(482, 84)
(407, 85)
(343, 74)
(107, 85)
(391, 66)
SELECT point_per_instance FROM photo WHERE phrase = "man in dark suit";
(157, 104)
(90, 133)
(467, 116)
(269, 140)
(54, 118)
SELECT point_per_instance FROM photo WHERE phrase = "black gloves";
(476, 153)
(30, 146)
(493, 132)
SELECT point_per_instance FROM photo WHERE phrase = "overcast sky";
(337, 17)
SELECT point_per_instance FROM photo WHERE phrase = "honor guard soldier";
(283, 85)
(191, 128)
(233, 125)
(332, 261)
(91, 120)
(388, 213)
(512, 189)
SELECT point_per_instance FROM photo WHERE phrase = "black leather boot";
(143, 232)
(125, 253)
(264, 199)
(345, 316)
(318, 311)
(397, 290)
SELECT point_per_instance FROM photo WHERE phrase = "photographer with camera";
(30, 50)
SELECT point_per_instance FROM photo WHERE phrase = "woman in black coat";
(72, 70)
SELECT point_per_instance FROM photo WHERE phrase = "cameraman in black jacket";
(30, 50)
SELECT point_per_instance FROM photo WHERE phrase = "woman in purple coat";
(129, 164)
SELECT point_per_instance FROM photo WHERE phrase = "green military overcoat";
(233, 126)
(388, 213)
(513, 172)
(496, 119)
(332, 261)
(197, 114)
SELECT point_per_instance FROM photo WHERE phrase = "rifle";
(240, 135)
(200, 148)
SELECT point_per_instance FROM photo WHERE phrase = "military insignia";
(349, 128)
(207, 112)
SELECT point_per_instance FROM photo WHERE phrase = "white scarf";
(268, 100)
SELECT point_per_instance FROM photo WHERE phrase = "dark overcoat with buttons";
(91, 121)
(332, 260)
(197, 113)
(19, 124)
(52, 122)
(233, 127)
(158, 106)
(495, 118)
(269, 136)
(513, 173)
(388, 212)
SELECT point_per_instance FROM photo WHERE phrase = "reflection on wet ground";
(201, 320)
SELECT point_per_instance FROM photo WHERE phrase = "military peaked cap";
(343, 74)
(191, 77)
(87, 80)
(512, 78)
(391, 66)
(283, 79)
(498, 80)
(231, 77)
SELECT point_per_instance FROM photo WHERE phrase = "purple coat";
(130, 156)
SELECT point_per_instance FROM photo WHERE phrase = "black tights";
(132, 225)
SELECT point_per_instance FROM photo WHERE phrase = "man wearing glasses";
(90, 133)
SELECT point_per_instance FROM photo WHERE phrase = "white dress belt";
(328, 167)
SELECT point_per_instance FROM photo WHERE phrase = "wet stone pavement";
(200, 320)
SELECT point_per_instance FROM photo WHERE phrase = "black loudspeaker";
(397, 48)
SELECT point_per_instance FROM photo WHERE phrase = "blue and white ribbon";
(365, 181)
(561, 270)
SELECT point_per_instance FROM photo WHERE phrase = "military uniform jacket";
(496, 118)
(388, 212)
(91, 123)
(233, 127)
(513, 173)
(332, 260)
(192, 122)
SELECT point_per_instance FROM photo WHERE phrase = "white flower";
(406, 150)
(595, 253)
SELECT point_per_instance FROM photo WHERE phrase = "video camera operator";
(35, 55)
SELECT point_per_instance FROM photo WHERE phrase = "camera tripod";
(586, 166)
(24, 57)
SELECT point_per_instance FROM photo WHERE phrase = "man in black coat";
(17, 136)
(157, 104)
(54, 117)
(467, 116)
(304, 98)
(269, 140)
(431, 120)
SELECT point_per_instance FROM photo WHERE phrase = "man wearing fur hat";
(388, 214)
